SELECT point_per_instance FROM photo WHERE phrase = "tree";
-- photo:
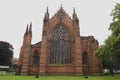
(109, 53)
(6, 53)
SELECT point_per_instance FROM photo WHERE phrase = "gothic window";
(85, 57)
(60, 46)
(36, 58)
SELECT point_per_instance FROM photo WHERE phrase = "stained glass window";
(60, 46)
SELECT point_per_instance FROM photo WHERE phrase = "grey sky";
(94, 17)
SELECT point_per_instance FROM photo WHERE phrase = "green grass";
(15, 77)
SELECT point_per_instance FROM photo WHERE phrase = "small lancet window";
(36, 58)
(84, 57)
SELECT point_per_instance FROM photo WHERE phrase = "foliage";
(115, 25)
(6, 53)
(109, 53)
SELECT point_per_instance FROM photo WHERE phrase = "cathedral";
(62, 51)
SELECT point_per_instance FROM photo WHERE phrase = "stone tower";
(25, 53)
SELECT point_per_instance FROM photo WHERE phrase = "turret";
(45, 22)
(43, 52)
(46, 17)
(25, 50)
(30, 29)
(76, 23)
(75, 18)
(77, 45)
(28, 34)
(26, 31)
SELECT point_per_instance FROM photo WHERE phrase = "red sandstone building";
(62, 50)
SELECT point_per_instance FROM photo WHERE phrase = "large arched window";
(36, 58)
(84, 57)
(60, 46)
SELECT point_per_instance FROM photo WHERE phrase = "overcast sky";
(94, 17)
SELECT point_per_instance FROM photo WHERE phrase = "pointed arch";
(36, 58)
(51, 29)
(60, 46)
(84, 57)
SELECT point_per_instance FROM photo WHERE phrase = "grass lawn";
(15, 77)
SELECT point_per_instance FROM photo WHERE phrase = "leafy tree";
(109, 53)
(6, 53)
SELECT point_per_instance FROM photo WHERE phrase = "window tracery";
(60, 46)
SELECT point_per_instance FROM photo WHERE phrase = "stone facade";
(62, 50)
